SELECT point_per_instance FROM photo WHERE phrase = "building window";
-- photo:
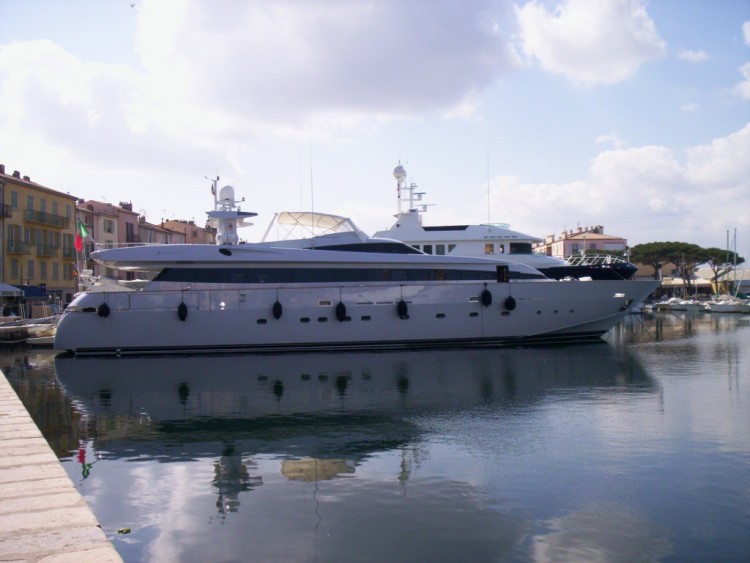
(109, 226)
(43, 205)
(489, 248)
(14, 199)
(43, 270)
(30, 202)
(54, 208)
(55, 271)
(29, 269)
(67, 211)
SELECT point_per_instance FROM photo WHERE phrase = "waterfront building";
(112, 225)
(37, 230)
(192, 232)
(580, 241)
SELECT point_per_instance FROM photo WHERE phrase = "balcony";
(18, 247)
(6, 211)
(69, 253)
(44, 218)
(46, 250)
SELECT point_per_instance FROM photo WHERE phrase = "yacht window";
(451, 247)
(427, 249)
(440, 249)
(271, 274)
(379, 247)
(416, 247)
(520, 248)
(501, 248)
(489, 248)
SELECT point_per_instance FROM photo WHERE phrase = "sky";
(544, 114)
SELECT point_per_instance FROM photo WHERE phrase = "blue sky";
(542, 114)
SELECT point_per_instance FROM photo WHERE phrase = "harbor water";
(633, 449)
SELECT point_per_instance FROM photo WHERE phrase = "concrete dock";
(43, 517)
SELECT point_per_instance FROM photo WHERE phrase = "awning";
(32, 291)
(9, 291)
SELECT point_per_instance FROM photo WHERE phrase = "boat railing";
(109, 245)
(595, 260)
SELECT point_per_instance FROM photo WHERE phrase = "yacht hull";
(166, 319)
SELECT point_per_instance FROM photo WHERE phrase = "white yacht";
(339, 289)
(491, 240)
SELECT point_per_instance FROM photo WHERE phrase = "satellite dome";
(399, 173)
(226, 193)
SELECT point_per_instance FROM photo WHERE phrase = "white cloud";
(722, 163)
(611, 138)
(743, 88)
(278, 62)
(589, 41)
(746, 32)
(217, 76)
(644, 194)
(689, 107)
(693, 56)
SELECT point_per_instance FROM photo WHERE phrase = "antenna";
(312, 184)
(489, 221)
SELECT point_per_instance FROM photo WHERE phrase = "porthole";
(440, 316)
(261, 321)
(322, 319)
(474, 314)
(305, 320)
(366, 317)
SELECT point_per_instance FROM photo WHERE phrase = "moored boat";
(336, 290)
(492, 241)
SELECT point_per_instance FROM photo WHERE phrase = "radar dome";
(227, 192)
(399, 173)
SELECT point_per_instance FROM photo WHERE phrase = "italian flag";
(81, 233)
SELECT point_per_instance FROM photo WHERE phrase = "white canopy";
(9, 291)
(312, 224)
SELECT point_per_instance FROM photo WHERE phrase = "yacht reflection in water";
(319, 406)
(320, 415)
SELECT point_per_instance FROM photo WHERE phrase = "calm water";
(637, 449)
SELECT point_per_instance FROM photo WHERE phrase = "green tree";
(721, 262)
(652, 254)
(686, 257)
